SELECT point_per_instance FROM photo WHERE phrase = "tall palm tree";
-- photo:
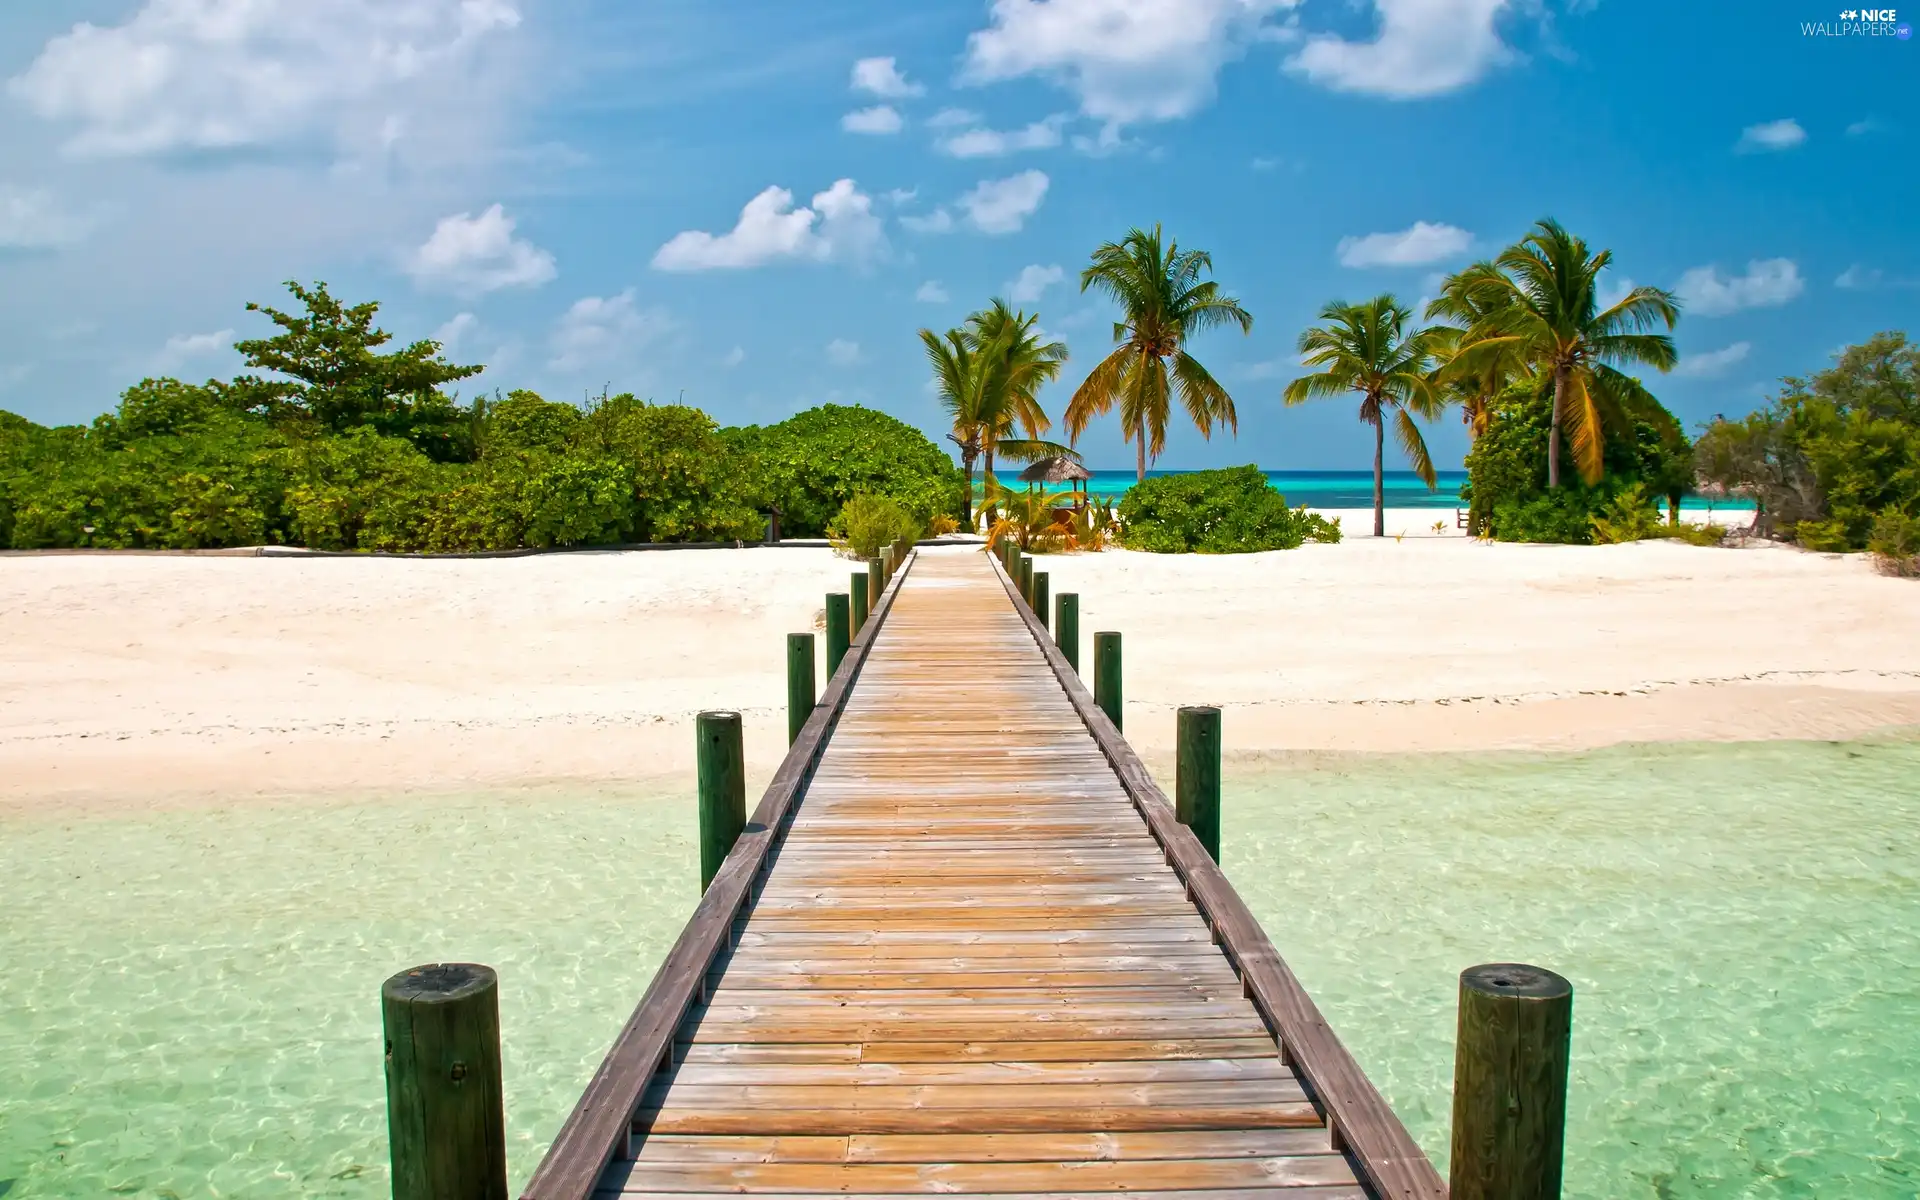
(1368, 348)
(1473, 384)
(1165, 302)
(961, 385)
(1538, 303)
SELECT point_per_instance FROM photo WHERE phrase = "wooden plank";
(997, 1119)
(1064, 1050)
(677, 1092)
(988, 1147)
(992, 1073)
(613, 1190)
(990, 1177)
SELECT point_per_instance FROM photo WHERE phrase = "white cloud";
(881, 119)
(184, 348)
(842, 353)
(937, 221)
(993, 143)
(1414, 246)
(1126, 60)
(1273, 368)
(1713, 362)
(1033, 282)
(1865, 126)
(1611, 289)
(1423, 48)
(880, 77)
(734, 357)
(931, 293)
(1768, 283)
(840, 226)
(458, 327)
(600, 329)
(475, 255)
(221, 74)
(1773, 135)
(954, 118)
(1857, 277)
(32, 219)
(1003, 205)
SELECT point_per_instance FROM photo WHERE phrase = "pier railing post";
(720, 762)
(1510, 1083)
(876, 583)
(1026, 579)
(1066, 626)
(446, 1123)
(800, 683)
(1108, 692)
(839, 629)
(1197, 775)
(1041, 600)
(886, 566)
(861, 600)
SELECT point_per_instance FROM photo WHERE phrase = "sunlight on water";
(1741, 925)
(190, 1000)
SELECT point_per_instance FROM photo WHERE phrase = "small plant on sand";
(1028, 519)
(1895, 543)
(942, 524)
(869, 524)
(1628, 517)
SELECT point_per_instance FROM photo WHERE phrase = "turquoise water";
(189, 1000)
(1347, 489)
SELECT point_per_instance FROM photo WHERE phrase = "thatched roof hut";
(1057, 470)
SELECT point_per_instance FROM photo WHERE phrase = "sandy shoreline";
(164, 679)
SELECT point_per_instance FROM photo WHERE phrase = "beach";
(159, 679)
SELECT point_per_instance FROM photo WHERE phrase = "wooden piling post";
(839, 630)
(876, 583)
(446, 1123)
(800, 683)
(721, 763)
(860, 601)
(1197, 775)
(1066, 626)
(1042, 602)
(1026, 579)
(1107, 690)
(1510, 1083)
(886, 566)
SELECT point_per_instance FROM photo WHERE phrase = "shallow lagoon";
(188, 1001)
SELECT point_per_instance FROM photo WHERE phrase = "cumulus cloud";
(880, 119)
(1422, 48)
(598, 329)
(734, 357)
(937, 221)
(1768, 283)
(185, 348)
(881, 77)
(1003, 205)
(215, 75)
(1611, 289)
(458, 327)
(994, 143)
(1033, 282)
(839, 226)
(931, 292)
(1713, 362)
(842, 353)
(1418, 244)
(954, 118)
(475, 255)
(1784, 134)
(33, 219)
(1126, 60)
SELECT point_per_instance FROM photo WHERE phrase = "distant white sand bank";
(130, 680)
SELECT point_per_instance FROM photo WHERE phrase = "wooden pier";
(964, 946)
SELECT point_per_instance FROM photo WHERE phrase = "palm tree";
(1165, 303)
(1473, 385)
(1367, 348)
(961, 385)
(1538, 303)
(988, 374)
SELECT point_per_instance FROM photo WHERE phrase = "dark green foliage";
(1233, 511)
(812, 464)
(870, 524)
(1895, 542)
(1507, 491)
(1832, 454)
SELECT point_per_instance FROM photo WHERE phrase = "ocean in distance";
(1354, 489)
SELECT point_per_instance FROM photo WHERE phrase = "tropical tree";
(1474, 383)
(1538, 303)
(1369, 348)
(961, 385)
(1159, 289)
(988, 374)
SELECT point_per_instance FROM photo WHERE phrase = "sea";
(1354, 489)
(189, 999)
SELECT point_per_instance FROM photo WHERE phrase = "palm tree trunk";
(1379, 478)
(966, 502)
(1553, 434)
(986, 477)
(1140, 453)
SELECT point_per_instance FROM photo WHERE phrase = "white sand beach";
(161, 679)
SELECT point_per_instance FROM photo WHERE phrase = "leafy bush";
(1232, 511)
(1629, 516)
(870, 524)
(1895, 543)
(812, 464)
(943, 524)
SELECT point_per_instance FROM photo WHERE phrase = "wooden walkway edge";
(964, 946)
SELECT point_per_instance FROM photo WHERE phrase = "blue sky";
(757, 204)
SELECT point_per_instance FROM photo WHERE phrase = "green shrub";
(812, 464)
(869, 524)
(1232, 511)
(1629, 516)
(1895, 543)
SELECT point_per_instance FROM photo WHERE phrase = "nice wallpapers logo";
(1861, 22)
